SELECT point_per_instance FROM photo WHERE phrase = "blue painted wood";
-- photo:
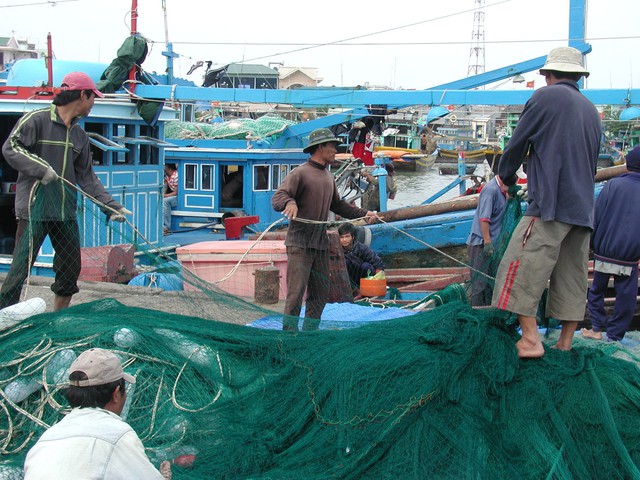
(438, 231)
(263, 170)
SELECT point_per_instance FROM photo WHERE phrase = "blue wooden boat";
(128, 157)
(130, 154)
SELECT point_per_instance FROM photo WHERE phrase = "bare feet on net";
(528, 349)
(592, 334)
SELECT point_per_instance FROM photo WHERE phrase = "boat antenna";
(166, 25)
(169, 47)
(49, 61)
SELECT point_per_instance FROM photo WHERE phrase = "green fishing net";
(263, 127)
(438, 394)
(441, 394)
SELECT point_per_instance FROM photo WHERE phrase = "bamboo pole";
(467, 202)
(471, 201)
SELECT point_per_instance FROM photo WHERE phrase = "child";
(361, 260)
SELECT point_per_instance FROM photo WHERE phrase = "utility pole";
(476, 53)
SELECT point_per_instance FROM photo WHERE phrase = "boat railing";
(460, 182)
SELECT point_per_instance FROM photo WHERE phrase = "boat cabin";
(128, 157)
(214, 183)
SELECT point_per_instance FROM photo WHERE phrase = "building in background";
(13, 49)
(248, 75)
(295, 77)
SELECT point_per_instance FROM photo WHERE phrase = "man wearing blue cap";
(616, 252)
(305, 197)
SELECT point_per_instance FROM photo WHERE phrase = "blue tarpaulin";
(338, 316)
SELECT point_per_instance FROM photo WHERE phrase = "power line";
(382, 44)
(49, 2)
(387, 30)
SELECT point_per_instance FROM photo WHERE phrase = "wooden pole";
(610, 172)
(49, 61)
(461, 203)
(471, 201)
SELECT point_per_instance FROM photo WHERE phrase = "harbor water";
(415, 187)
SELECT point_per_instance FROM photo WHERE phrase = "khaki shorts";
(542, 254)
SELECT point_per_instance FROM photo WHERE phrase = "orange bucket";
(373, 287)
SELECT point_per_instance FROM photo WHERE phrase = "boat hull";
(452, 169)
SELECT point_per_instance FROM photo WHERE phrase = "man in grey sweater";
(306, 196)
(45, 147)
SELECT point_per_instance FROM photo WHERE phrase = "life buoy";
(453, 118)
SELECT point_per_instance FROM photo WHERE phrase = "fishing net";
(440, 394)
(265, 127)
(435, 393)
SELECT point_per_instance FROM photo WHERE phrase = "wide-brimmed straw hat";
(320, 136)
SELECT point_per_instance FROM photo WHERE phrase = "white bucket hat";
(565, 59)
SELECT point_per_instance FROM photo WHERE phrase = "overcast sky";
(411, 44)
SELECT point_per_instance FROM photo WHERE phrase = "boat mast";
(134, 31)
(578, 28)
(169, 52)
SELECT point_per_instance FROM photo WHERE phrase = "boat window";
(232, 186)
(190, 176)
(101, 146)
(261, 177)
(148, 154)
(105, 144)
(207, 177)
(98, 149)
(121, 132)
(275, 176)
(284, 170)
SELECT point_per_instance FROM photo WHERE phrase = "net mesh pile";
(265, 127)
(440, 394)
(437, 394)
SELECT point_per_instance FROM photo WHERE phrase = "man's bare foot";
(563, 348)
(529, 350)
(592, 334)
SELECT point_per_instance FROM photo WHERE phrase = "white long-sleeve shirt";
(89, 444)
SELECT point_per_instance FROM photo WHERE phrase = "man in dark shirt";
(485, 232)
(305, 197)
(558, 135)
(616, 252)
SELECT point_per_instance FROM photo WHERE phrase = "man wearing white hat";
(92, 441)
(558, 139)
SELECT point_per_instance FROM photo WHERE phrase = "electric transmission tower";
(476, 53)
